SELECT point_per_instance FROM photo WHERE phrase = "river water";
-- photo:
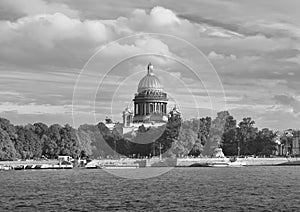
(180, 189)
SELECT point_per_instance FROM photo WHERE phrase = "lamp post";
(160, 156)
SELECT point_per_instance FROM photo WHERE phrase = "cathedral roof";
(150, 81)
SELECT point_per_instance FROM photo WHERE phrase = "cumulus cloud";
(53, 39)
(162, 16)
(13, 9)
(288, 100)
(215, 56)
(251, 49)
(34, 108)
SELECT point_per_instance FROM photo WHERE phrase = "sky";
(77, 62)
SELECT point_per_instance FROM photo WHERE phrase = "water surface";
(181, 189)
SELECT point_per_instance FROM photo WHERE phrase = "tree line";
(195, 137)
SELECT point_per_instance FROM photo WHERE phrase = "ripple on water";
(181, 189)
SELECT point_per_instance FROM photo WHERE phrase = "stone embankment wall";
(247, 161)
(29, 162)
(270, 161)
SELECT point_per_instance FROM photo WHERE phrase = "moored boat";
(120, 166)
(218, 164)
(236, 164)
(5, 167)
(227, 164)
(44, 166)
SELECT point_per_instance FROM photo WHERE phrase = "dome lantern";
(150, 81)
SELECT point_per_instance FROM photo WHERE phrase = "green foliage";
(245, 139)
(28, 144)
(246, 135)
(216, 132)
(49, 149)
(264, 142)
(229, 139)
(179, 138)
(184, 143)
(40, 129)
(98, 145)
(7, 149)
(68, 145)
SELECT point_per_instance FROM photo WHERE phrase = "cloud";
(162, 16)
(14, 9)
(288, 100)
(138, 45)
(215, 56)
(34, 108)
(44, 44)
(50, 39)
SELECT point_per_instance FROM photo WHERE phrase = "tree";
(216, 133)
(229, 138)
(68, 144)
(28, 144)
(40, 129)
(197, 149)
(50, 149)
(99, 146)
(84, 142)
(264, 142)
(9, 128)
(7, 149)
(185, 142)
(246, 135)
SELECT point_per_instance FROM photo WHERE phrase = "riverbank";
(187, 162)
(165, 162)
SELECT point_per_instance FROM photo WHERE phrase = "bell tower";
(127, 117)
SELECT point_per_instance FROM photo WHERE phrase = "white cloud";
(51, 34)
(162, 16)
(50, 39)
(216, 56)
(34, 108)
(34, 7)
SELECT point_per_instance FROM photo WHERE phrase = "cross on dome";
(150, 69)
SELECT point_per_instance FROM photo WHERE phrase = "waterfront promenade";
(169, 162)
(186, 162)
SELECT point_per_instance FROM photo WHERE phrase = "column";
(148, 108)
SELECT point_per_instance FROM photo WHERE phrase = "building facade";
(149, 106)
(150, 101)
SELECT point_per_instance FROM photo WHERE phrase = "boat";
(62, 165)
(119, 166)
(218, 164)
(236, 164)
(5, 167)
(227, 164)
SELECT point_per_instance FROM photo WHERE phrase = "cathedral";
(150, 105)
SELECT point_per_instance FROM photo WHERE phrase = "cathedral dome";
(150, 81)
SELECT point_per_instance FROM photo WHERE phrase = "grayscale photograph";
(149, 105)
